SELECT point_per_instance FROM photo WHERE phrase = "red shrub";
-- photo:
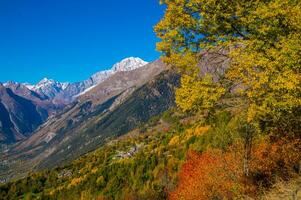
(208, 175)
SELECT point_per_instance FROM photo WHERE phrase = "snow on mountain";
(101, 76)
(52, 88)
(86, 90)
(49, 87)
(65, 85)
(29, 86)
(129, 64)
(10, 84)
(45, 82)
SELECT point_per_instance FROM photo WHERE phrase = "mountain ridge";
(90, 122)
(47, 97)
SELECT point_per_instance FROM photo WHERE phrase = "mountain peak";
(11, 82)
(46, 80)
(29, 86)
(129, 64)
(51, 88)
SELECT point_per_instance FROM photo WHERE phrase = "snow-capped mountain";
(45, 82)
(127, 64)
(68, 91)
(29, 86)
(24, 107)
(49, 87)
(101, 76)
(23, 90)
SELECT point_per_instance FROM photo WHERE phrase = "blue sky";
(68, 40)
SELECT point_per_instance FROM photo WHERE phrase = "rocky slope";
(112, 108)
(19, 116)
(49, 88)
(67, 92)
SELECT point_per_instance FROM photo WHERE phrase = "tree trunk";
(248, 150)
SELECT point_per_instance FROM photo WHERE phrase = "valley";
(112, 108)
(46, 99)
(214, 115)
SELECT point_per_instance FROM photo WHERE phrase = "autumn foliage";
(209, 175)
(279, 157)
(214, 174)
(256, 76)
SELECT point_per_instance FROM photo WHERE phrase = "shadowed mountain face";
(6, 126)
(21, 90)
(110, 121)
(118, 104)
(18, 116)
(26, 106)
(113, 108)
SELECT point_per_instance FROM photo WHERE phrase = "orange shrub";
(219, 175)
(212, 174)
(281, 157)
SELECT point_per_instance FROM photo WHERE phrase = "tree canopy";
(261, 40)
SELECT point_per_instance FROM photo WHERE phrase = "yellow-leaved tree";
(262, 41)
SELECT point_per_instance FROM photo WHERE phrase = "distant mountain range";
(110, 104)
(66, 92)
(50, 124)
(25, 107)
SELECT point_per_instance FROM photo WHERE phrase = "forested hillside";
(236, 130)
(261, 86)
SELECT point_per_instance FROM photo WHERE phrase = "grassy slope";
(149, 100)
(145, 174)
(115, 172)
(143, 164)
(95, 129)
